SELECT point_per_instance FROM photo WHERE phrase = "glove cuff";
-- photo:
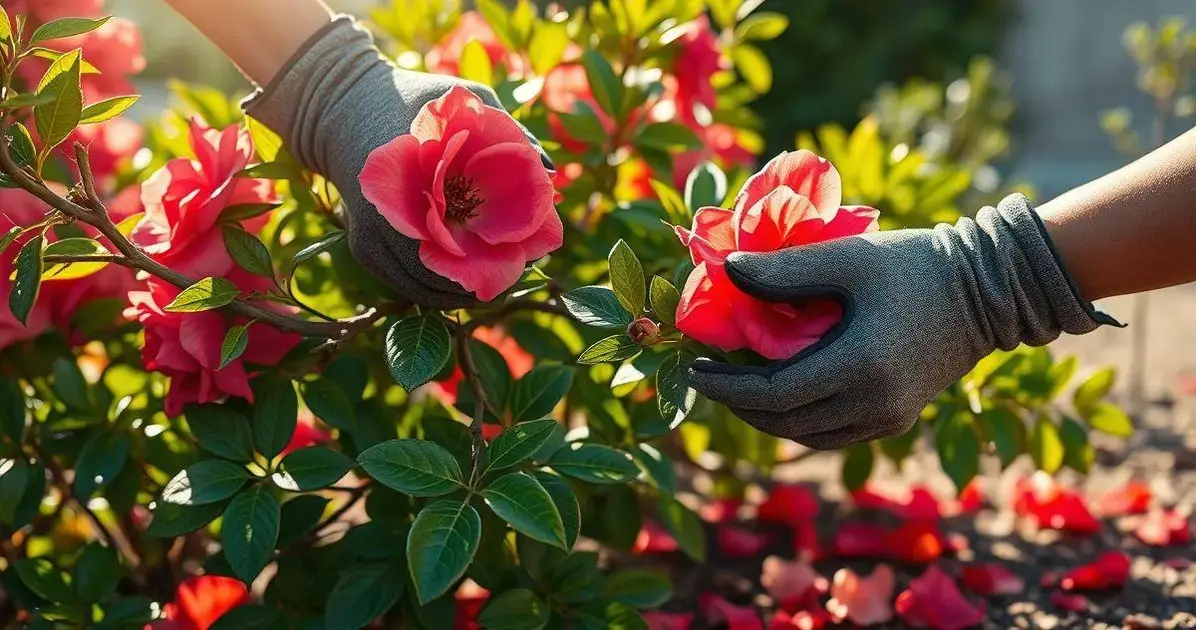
(1030, 296)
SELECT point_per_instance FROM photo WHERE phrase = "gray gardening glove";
(334, 102)
(921, 308)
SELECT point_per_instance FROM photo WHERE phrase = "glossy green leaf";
(69, 384)
(44, 579)
(222, 430)
(275, 413)
(610, 350)
(517, 609)
(959, 449)
(208, 481)
(638, 588)
(13, 410)
(249, 531)
(1078, 454)
(1093, 390)
(311, 468)
(685, 526)
(172, 520)
(596, 306)
(414, 467)
(474, 64)
(107, 109)
(520, 500)
(57, 119)
(547, 47)
(664, 298)
(14, 478)
(28, 281)
(315, 249)
(604, 83)
(753, 67)
(236, 341)
(248, 252)
(674, 397)
(539, 391)
(1008, 433)
(363, 594)
(627, 278)
(705, 186)
(299, 516)
(329, 403)
(566, 504)
(594, 463)
(236, 213)
(762, 26)
(96, 573)
(858, 460)
(518, 444)
(441, 544)
(416, 350)
(1046, 446)
(205, 295)
(102, 458)
(65, 27)
(73, 247)
(1109, 419)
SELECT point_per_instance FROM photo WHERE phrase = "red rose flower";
(468, 185)
(698, 60)
(794, 201)
(186, 347)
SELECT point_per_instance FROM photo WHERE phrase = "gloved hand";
(337, 100)
(921, 308)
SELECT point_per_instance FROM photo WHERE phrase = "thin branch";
(70, 259)
(511, 308)
(88, 177)
(474, 378)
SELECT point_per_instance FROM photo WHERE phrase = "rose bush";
(212, 416)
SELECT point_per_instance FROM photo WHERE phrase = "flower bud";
(644, 331)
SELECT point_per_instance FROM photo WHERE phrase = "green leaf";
(129, 612)
(5, 26)
(1046, 447)
(1008, 433)
(518, 443)
(753, 67)
(205, 295)
(315, 249)
(1060, 375)
(107, 109)
(685, 526)
(667, 136)
(658, 466)
(725, 12)
(85, 68)
(100, 461)
(597, 307)
(1109, 419)
(414, 467)
(275, 410)
(267, 143)
(58, 118)
(566, 504)
(311, 468)
(475, 63)
(249, 531)
(442, 543)
(1093, 390)
(762, 27)
(857, 465)
(66, 27)
(329, 403)
(96, 573)
(73, 247)
(28, 281)
(1078, 454)
(959, 449)
(244, 211)
(674, 397)
(14, 478)
(517, 609)
(604, 83)
(499, 19)
(416, 350)
(69, 384)
(222, 430)
(172, 520)
(27, 99)
(205, 482)
(594, 463)
(603, 615)
(706, 186)
(299, 516)
(610, 350)
(539, 391)
(250, 253)
(363, 594)
(638, 588)
(44, 579)
(13, 410)
(627, 278)
(520, 500)
(584, 126)
(23, 151)
(236, 340)
(547, 47)
(664, 298)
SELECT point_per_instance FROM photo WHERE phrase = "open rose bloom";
(469, 186)
(796, 200)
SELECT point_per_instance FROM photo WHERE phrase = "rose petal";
(1134, 497)
(516, 189)
(736, 542)
(1070, 602)
(933, 600)
(658, 620)
(394, 182)
(863, 601)
(992, 579)
(788, 504)
(805, 173)
(1110, 570)
(719, 611)
(654, 539)
(793, 584)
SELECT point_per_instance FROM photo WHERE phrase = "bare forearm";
(257, 35)
(1133, 230)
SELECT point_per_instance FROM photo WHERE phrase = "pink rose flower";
(698, 60)
(186, 347)
(445, 56)
(794, 201)
(468, 185)
(184, 199)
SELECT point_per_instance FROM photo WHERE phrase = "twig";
(511, 308)
(69, 259)
(98, 218)
(474, 378)
(356, 495)
(88, 177)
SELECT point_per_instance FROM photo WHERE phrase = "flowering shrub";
(212, 416)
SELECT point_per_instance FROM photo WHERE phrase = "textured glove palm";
(921, 307)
